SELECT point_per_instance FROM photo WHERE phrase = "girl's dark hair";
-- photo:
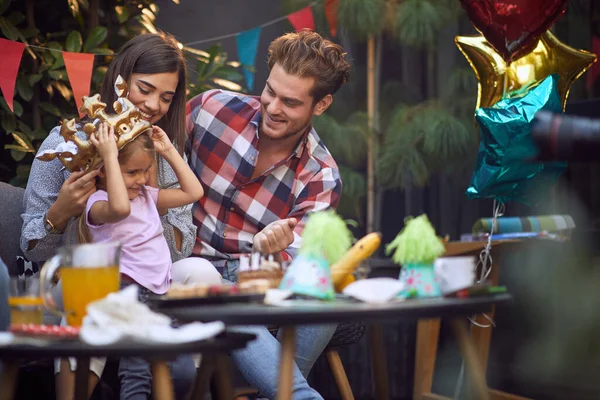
(151, 53)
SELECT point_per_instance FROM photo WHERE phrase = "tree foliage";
(43, 94)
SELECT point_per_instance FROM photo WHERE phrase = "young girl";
(125, 208)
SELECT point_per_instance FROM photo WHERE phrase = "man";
(264, 169)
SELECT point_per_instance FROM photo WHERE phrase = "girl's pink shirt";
(145, 255)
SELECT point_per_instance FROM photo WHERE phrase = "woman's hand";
(162, 143)
(72, 198)
(105, 142)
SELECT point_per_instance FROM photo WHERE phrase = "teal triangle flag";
(247, 44)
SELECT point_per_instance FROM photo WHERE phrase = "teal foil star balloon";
(503, 170)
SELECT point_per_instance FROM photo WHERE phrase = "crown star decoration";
(80, 154)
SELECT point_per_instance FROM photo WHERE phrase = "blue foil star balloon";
(503, 170)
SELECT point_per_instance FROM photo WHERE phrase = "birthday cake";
(266, 270)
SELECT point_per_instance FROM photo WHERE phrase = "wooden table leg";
(202, 380)
(10, 375)
(335, 363)
(428, 331)
(162, 385)
(475, 373)
(286, 362)
(82, 377)
(378, 363)
(223, 377)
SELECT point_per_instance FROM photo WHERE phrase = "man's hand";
(275, 237)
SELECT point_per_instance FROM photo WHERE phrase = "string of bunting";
(79, 66)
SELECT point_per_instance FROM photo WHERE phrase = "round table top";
(309, 312)
(43, 347)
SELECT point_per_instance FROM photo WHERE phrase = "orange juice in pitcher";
(88, 272)
(82, 286)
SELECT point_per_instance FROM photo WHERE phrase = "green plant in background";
(43, 94)
(413, 134)
(213, 71)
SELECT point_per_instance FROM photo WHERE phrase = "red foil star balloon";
(513, 27)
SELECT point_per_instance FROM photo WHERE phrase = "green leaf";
(17, 155)
(16, 17)
(63, 89)
(34, 78)
(23, 171)
(95, 38)
(23, 141)
(39, 134)
(8, 29)
(102, 51)
(23, 127)
(51, 108)
(24, 89)
(29, 32)
(18, 108)
(122, 14)
(74, 42)
(8, 121)
(98, 74)
(4, 6)
(73, 6)
(58, 74)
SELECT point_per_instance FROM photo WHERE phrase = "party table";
(428, 329)
(156, 353)
(338, 311)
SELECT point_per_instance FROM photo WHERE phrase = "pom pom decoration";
(416, 243)
(325, 240)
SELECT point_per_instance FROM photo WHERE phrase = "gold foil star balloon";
(496, 78)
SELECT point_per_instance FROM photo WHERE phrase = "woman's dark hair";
(151, 53)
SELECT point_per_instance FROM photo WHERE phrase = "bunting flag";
(11, 53)
(79, 68)
(247, 44)
(594, 71)
(331, 9)
(302, 19)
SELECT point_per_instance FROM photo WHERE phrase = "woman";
(154, 68)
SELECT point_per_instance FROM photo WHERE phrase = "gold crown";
(77, 153)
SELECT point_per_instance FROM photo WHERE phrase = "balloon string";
(485, 257)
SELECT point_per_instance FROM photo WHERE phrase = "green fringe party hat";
(416, 243)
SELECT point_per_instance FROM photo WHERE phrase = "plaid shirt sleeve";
(321, 193)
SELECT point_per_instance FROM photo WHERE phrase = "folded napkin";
(121, 315)
(375, 290)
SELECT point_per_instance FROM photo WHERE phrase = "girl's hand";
(162, 143)
(104, 140)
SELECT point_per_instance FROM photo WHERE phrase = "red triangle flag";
(302, 19)
(79, 68)
(594, 71)
(331, 9)
(9, 68)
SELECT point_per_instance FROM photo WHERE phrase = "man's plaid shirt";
(222, 149)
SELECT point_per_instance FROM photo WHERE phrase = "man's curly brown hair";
(307, 54)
